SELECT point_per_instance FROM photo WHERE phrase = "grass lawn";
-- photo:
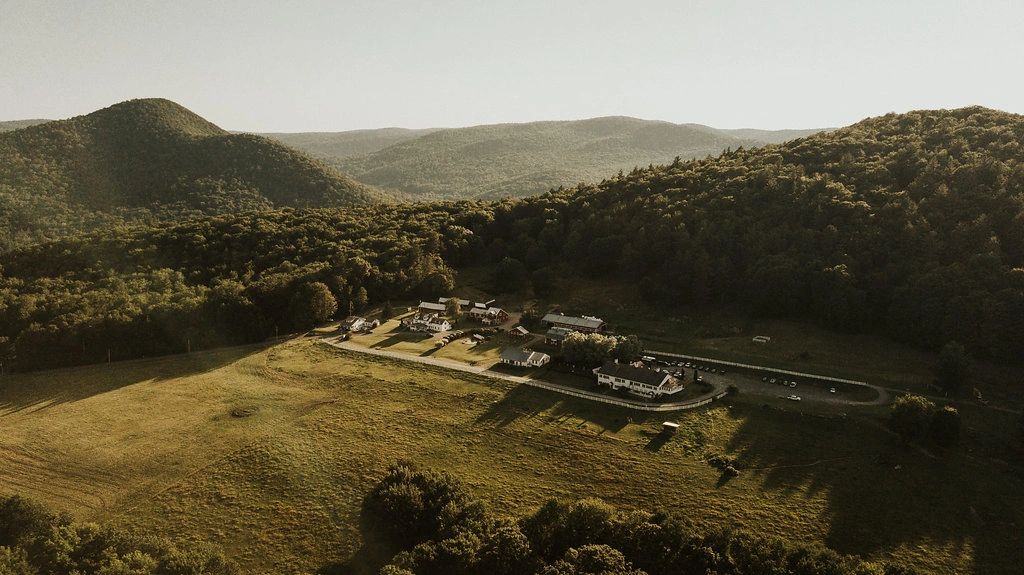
(153, 444)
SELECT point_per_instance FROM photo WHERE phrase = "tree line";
(434, 525)
(35, 541)
(910, 226)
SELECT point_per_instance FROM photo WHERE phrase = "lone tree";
(945, 426)
(954, 367)
(911, 416)
(312, 304)
(452, 308)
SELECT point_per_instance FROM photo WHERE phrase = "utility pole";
(108, 355)
(188, 344)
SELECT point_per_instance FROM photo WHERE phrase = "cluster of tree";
(437, 527)
(230, 279)
(911, 225)
(34, 541)
(589, 350)
(150, 159)
(916, 418)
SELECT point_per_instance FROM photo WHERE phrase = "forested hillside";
(150, 159)
(519, 160)
(11, 125)
(334, 146)
(908, 225)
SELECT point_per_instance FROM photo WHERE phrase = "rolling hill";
(516, 160)
(146, 159)
(334, 146)
(906, 226)
(11, 125)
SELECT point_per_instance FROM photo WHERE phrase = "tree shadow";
(40, 390)
(882, 494)
(657, 442)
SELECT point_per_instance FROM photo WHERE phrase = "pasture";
(267, 451)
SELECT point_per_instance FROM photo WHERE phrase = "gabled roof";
(432, 306)
(520, 355)
(584, 322)
(466, 302)
(520, 330)
(633, 373)
(558, 332)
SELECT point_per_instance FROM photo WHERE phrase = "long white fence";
(756, 367)
(683, 405)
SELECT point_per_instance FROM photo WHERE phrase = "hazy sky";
(317, 66)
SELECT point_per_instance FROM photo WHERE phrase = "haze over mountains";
(517, 160)
(151, 159)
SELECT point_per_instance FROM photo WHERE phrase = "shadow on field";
(41, 390)
(881, 494)
(525, 402)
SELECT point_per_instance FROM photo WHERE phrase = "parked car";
(831, 390)
(792, 384)
(647, 358)
(793, 398)
(765, 379)
(772, 380)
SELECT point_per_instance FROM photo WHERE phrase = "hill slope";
(11, 125)
(909, 224)
(151, 158)
(333, 146)
(519, 159)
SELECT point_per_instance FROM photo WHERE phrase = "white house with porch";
(637, 380)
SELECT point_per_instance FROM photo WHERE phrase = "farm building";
(585, 324)
(432, 322)
(555, 335)
(488, 315)
(637, 380)
(353, 323)
(519, 331)
(520, 357)
(427, 308)
(466, 305)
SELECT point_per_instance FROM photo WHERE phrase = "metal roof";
(568, 320)
(633, 373)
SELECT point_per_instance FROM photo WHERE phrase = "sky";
(341, 65)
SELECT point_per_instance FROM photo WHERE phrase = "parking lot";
(768, 383)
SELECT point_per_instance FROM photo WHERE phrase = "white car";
(831, 390)
(793, 398)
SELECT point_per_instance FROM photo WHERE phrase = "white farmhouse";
(637, 380)
(520, 357)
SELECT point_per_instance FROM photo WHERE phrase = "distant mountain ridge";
(11, 125)
(498, 160)
(151, 158)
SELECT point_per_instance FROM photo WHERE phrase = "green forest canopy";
(907, 225)
(143, 160)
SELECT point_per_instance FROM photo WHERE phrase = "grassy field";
(154, 445)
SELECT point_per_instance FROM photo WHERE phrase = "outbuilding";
(521, 357)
